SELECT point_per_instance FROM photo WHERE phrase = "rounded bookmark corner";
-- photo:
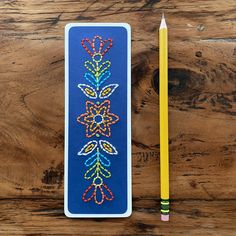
(127, 26)
(128, 212)
(67, 213)
(68, 27)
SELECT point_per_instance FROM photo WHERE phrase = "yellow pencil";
(163, 93)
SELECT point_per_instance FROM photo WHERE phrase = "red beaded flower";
(98, 119)
(97, 48)
(98, 192)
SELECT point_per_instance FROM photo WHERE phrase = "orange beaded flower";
(98, 119)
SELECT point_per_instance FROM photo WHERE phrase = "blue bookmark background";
(117, 183)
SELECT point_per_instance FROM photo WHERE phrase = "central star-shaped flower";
(98, 119)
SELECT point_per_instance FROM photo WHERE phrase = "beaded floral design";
(97, 120)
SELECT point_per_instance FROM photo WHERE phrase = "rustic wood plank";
(45, 217)
(187, 19)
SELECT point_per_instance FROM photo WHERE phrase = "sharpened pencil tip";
(163, 22)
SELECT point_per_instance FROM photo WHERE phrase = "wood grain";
(45, 216)
(202, 115)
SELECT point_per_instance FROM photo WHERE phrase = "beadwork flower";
(97, 48)
(97, 191)
(98, 119)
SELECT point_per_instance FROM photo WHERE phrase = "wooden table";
(202, 116)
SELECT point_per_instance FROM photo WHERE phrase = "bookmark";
(97, 120)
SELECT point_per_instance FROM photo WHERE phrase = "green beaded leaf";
(104, 66)
(90, 66)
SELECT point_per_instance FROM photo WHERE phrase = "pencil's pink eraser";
(164, 217)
